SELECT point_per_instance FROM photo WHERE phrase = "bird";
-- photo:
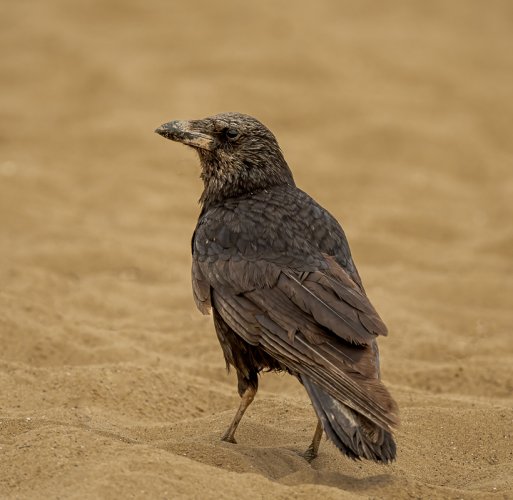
(276, 271)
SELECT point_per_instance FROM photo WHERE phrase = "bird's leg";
(247, 390)
(312, 450)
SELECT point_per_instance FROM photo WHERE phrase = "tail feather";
(352, 433)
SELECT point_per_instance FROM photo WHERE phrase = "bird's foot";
(310, 454)
(227, 438)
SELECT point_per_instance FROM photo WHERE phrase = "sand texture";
(396, 116)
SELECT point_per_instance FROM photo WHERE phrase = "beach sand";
(396, 116)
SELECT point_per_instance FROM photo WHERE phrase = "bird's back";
(283, 225)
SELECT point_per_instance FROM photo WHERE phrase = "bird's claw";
(309, 454)
(228, 439)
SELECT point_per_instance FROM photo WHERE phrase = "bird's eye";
(231, 133)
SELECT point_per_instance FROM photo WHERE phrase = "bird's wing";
(327, 296)
(335, 301)
(317, 323)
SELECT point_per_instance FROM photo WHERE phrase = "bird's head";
(238, 154)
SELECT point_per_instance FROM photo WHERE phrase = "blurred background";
(396, 116)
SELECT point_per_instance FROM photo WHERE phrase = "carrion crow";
(276, 270)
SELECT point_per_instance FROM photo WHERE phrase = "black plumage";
(276, 270)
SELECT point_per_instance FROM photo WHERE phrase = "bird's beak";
(183, 131)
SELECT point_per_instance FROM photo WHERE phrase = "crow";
(276, 270)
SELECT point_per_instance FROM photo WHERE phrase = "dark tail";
(352, 433)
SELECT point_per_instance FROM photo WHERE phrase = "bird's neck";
(222, 182)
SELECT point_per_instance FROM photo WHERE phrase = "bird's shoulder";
(282, 225)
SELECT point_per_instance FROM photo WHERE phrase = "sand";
(396, 116)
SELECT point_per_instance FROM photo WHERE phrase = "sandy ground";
(396, 116)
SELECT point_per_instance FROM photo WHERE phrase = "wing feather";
(317, 323)
(339, 378)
